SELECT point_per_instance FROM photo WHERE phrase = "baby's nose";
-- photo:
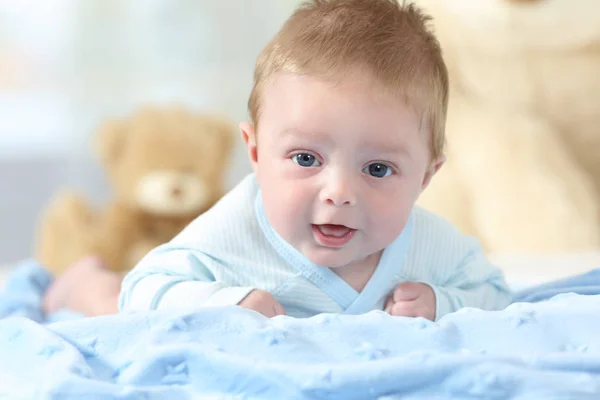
(339, 193)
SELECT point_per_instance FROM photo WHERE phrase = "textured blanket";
(545, 350)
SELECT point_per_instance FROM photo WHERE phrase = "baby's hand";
(411, 299)
(262, 302)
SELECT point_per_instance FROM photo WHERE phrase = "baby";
(347, 129)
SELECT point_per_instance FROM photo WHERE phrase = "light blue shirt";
(232, 249)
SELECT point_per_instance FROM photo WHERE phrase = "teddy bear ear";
(110, 141)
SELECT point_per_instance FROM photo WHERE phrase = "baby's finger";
(407, 291)
(388, 305)
(405, 309)
(278, 309)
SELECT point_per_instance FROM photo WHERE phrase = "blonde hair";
(391, 41)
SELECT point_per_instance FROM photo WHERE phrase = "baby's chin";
(329, 257)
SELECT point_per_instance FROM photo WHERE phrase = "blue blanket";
(544, 350)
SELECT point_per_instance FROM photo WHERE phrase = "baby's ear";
(434, 167)
(110, 141)
(249, 136)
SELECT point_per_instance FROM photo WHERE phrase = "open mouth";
(331, 235)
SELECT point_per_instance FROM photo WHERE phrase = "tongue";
(334, 230)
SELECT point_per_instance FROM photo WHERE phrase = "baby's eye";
(378, 170)
(306, 160)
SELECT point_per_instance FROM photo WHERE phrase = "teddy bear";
(166, 166)
(523, 124)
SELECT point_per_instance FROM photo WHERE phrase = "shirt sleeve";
(475, 282)
(175, 278)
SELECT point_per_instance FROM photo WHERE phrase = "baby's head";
(348, 111)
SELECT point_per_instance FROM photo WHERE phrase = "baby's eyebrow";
(290, 132)
(390, 148)
(381, 148)
(304, 134)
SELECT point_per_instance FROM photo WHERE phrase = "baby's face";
(340, 167)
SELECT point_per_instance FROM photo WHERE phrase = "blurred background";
(67, 65)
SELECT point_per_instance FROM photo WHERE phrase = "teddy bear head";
(166, 161)
(525, 24)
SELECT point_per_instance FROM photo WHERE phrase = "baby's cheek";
(389, 222)
(285, 210)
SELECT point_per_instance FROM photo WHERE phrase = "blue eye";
(306, 160)
(378, 170)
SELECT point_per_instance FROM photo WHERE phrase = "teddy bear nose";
(176, 192)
